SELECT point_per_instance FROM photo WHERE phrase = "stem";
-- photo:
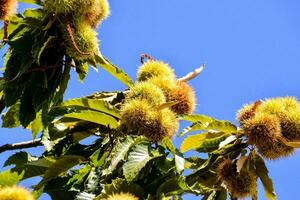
(21, 145)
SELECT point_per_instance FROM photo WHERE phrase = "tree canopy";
(132, 155)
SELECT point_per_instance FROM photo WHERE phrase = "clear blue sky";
(251, 48)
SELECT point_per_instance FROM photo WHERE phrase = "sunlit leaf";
(114, 70)
(167, 143)
(202, 140)
(198, 118)
(95, 117)
(9, 178)
(93, 104)
(36, 125)
(262, 173)
(209, 124)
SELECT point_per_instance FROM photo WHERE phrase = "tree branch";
(192, 74)
(21, 145)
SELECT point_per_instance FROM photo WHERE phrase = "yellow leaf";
(192, 142)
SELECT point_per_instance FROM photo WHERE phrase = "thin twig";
(146, 56)
(21, 145)
(5, 34)
(192, 74)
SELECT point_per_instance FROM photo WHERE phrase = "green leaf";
(137, 160)
(79, 176)
(19, 159)
(57, 190)
(198, 118)
(2, 82)
(25, 165)
(114, 70)
(222, 126)
(36, 125)
(169, 187)
(12, 26)
(95, 117)
(91, 187)
(9, 178)
(11, 119)
(167, 105)
(93, 104)
(82, 70)
(43, 162)
(33, 13)
(202, 140)
(34, 2)
(193, 142)
(208, 124)
(121, 151)
(120, 186)
(167, 144)
(262, 173)
(218, 195)
(61, 165)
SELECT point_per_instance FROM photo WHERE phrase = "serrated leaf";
(202, 140)
(222, 126)
(85, 196)
(95, 117)
(194, 127)
(120, 186)
(91, 187)
(120, 152)
(170, 186)
(139, 156)
(61, 165)
(36, 125)
(93, 104)
(198, 118)
(19, 159)
(262, 172)
(10, 119)
(43, 162)
(10, 178)
(114, 70)
(210, 125)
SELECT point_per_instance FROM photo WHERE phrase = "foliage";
(119, 161)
